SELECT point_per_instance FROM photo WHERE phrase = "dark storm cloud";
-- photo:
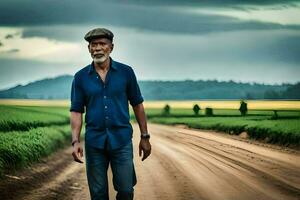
(246, 48)
(210, 3)
(204, 25)
(159, 37)
(283, 49)
(57, 32)
(160, 18)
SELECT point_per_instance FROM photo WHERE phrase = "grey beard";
(99, 60)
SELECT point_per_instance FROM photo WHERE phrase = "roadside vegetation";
(271, 125)
(28, 133)
(24, 118)
(21, 148)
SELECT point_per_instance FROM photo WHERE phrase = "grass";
(188, 112)
(259, 123)
(284, 130)
(28, 133)
(21, 148)
(23, 118)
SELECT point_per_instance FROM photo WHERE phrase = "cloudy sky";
(252, 41)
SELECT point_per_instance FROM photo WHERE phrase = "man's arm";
(76, 124)
(140, 116)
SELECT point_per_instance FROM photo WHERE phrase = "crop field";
(21, 148)
(21, 118)
(32, 129)
(281, 131)
(278, 124)
(28, 133)
(34, 102)
(227, 104)
(271, 121)
(220, 112)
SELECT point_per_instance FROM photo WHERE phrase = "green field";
(23, 118)
(21, 148)
(223, 112)
(281, 131)
(30, 132)
(284, 128)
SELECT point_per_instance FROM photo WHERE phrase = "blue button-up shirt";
(106, 103)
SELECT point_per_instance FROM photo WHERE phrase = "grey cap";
(99, 33)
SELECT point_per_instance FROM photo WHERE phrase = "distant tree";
(209, 112)
(292, 92)
(196, 109)
(271, 94)
(243, 108)
(166, 110)
(249, 95)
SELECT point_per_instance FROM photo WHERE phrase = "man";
(102, 90)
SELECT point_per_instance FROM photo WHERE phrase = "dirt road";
(185, 164)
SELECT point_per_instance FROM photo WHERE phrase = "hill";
(59, 88)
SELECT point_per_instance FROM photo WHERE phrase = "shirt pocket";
(93, 90)
(117, 88)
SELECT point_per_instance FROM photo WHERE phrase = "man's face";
(100, 49)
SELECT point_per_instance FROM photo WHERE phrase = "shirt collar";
(113, 65)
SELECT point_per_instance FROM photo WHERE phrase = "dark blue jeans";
(121, 162)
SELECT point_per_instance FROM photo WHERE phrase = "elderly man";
(102, 90)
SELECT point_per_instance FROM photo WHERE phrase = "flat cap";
(99, 33)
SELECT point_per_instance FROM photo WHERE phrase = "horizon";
(205, 80)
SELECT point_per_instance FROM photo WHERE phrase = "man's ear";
(89, 48)
(112, 47)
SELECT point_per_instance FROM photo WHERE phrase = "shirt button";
(106, 117)
(104, 97)
(97, 77)
(105, 107)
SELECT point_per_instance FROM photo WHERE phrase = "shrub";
(166, 110)
(243, 108)
(209, 112)
(196, 109)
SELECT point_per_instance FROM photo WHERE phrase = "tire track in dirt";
(55, 177)
(223, 167)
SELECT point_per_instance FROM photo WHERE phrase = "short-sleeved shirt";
(106, 103)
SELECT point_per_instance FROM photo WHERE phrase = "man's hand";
(77, 152)
(144, 147)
